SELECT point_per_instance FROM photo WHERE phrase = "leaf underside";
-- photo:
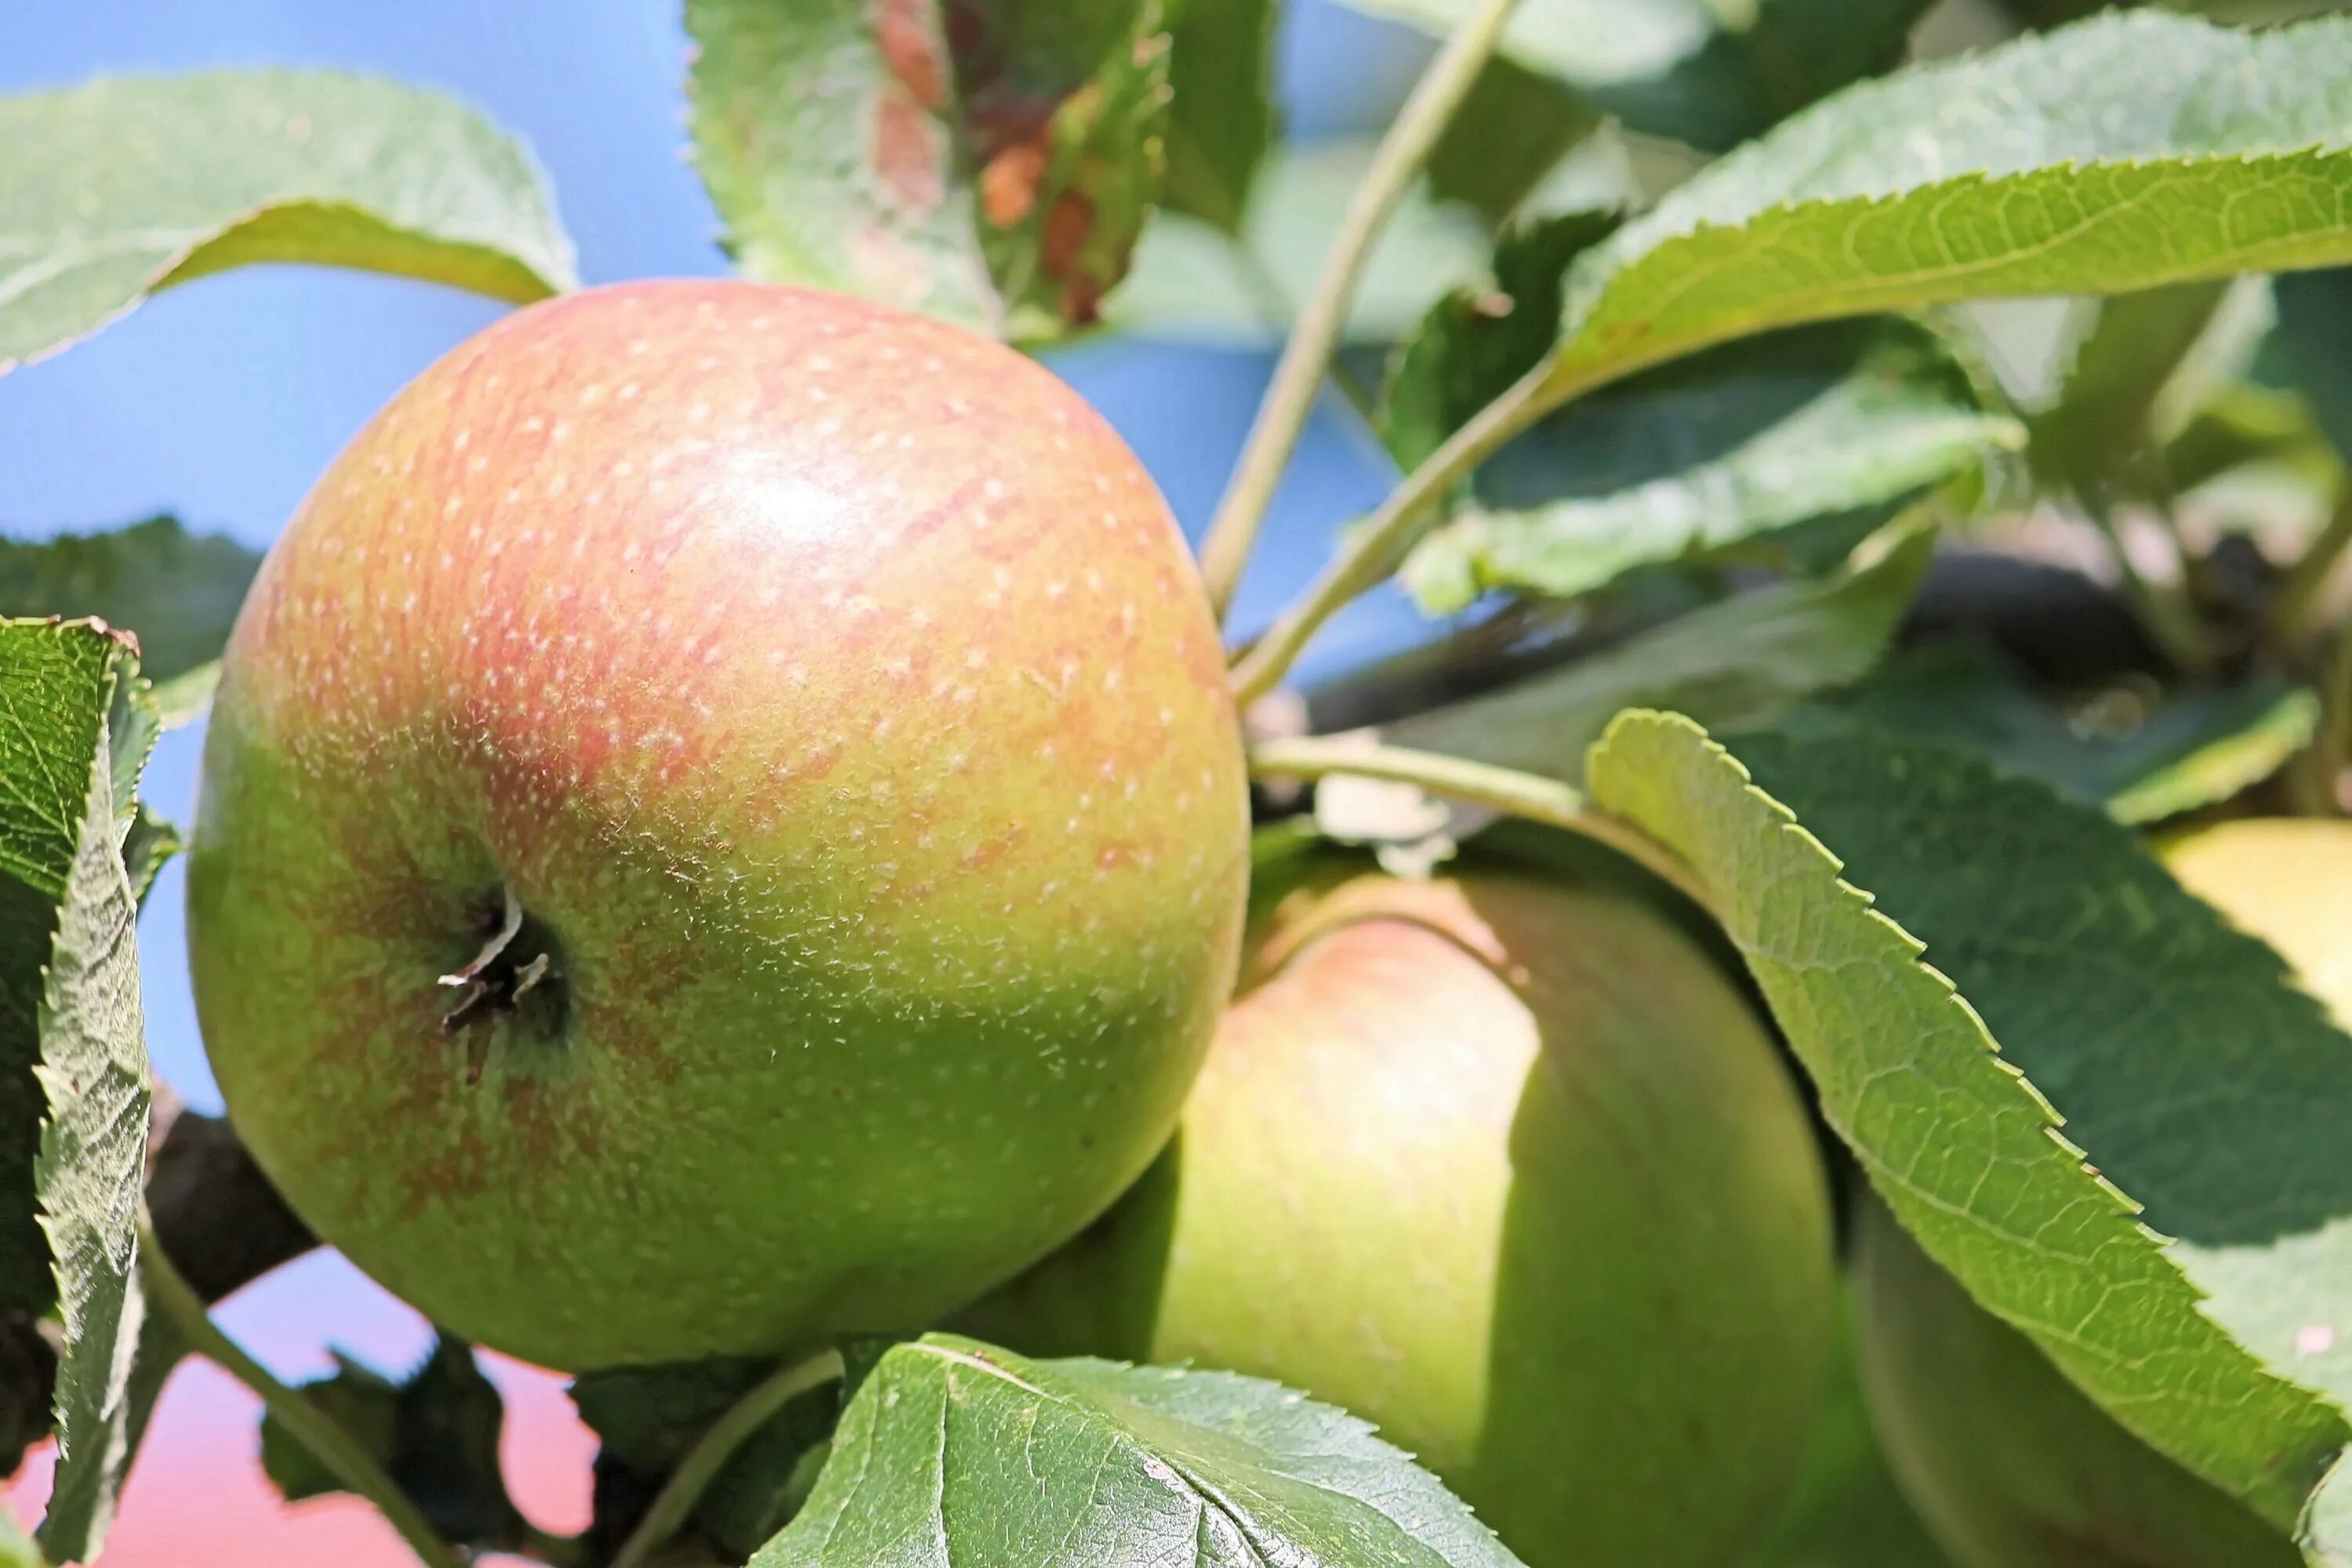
(100, 202)
(2187, 1071)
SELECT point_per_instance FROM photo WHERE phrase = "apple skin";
(2011, 1464)
(2287, 880)
(1504, 1165)
(838, 698)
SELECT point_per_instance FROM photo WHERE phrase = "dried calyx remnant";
(517, 959)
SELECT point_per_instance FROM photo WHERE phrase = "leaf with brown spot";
(990, 165)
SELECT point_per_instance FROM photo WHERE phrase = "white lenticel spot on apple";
(2315, 1339)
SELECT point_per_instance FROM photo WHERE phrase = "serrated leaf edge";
(2126, 1207)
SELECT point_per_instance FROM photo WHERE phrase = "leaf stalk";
(1508, 790)
(312, 1427)
(675, 1502)
(1373, 552)
(1306, 357)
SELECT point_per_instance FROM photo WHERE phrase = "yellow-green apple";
(2011, 1464)
(723, 823)
(1502, 1163)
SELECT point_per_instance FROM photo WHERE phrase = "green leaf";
(770, 1478)
(2191, 1076)
(1192, 284)
(17, 1548)
(61, 682)
(178, 592)
(360, 1400)
(1695, 70)
(125, 185)
(995, 174)
(1728, 451)
(1847, 1510)
(1221, 117)
(1512, 132)
(183, 699)
(434, 1431)
(646, 1418)
(2122, 153)
(2315, 322)
(1479, 339)
(91, 1151)
(2144, 755)
(82, 1497)
(1742, 662)
(2101, 423)
(987, 1457)
(2247, 424)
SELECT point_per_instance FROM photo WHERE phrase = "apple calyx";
(516, 958)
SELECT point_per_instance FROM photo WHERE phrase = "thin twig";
(312, 1427)
(1305, 358)
(2316, 781)
(675, 1502)
(1373, 552)
(2299, 590)
(1478, 783)
(2162, 609)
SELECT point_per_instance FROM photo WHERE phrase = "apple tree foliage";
(1783, 547)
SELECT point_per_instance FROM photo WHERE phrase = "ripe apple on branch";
(743, 859)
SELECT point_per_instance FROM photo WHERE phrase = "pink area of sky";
(197, 1498)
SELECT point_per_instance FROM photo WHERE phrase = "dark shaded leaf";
(1479, 339)
(648, 1417)
(1509, 134)
(1222, 118)
(178, 592)
(2141, 754)
(1728, 451)
(2191, 1075)
(1742, 662)
(435, 1433)
(2315, 326)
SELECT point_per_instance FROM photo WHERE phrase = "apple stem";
(675, 1502)
(1314, 336)
(1374, 549)
(509, 923)
(324, 1436)
(1506, 790)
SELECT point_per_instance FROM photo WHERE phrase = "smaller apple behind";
(797, 732)
(2009, 1463)
(1503, 1164)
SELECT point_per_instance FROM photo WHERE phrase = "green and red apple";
(1502, 1163)
(723, 823)
(2009, 1462)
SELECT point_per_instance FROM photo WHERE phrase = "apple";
(1502, 1163)
(723, 823)
(2287, 880)
(2010, 1463)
